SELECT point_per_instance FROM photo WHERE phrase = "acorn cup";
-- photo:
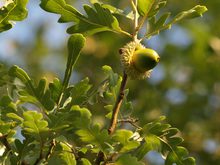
(137, 60)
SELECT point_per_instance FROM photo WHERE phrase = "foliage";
(56, 122)
(15, 10)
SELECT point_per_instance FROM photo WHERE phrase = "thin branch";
(131, 121)
(125, 33)
(135, 12)
(143, 20)
(100, 158)
(117, 106)
(4, 141)
(52, 145)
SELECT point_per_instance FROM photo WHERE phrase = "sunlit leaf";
(179, 157)
(151, 143)
(14, 116)
(144, 6)
(14, 11)
(34, 124)
(126, 142)
(95, 136)
(158, 4)
(75, 45)
(79, 92)
(98, 19)
(126, 159)
(85, 161)
(156, 27)
(62, 155)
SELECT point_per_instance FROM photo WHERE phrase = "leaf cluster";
(66, 133)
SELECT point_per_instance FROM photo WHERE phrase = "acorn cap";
(137, 60)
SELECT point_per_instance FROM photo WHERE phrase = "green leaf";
(126, 143)
(24, 148)
(158, 4)
(39, 95)
(118, 12)
(161, 21)
(16, 71)
(196, 11)
(43, 95)
(14, 116)
(3, 75)
(95, 136)
(151, 142)
(34, 124)
(126, 159)
(14, 11)
(67, 12)
(74, 118)
(5, 128)
(164, 139)
(7, 106)
(55, 88)
(62, 155)
(179, 157)
(75, 45)
(85, 161)
(98, 19)
(41, 87)
(144, 6)
(82, 117)
(79, 92)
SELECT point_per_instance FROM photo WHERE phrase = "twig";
(52, 145)
(117, 106)
(100, 158)
(4, 141)
(134, 8)
(142, 20)
(131, 121)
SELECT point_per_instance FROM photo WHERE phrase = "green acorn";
(145, 59)
(137, 60)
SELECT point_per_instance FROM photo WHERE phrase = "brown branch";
(4, 141)
(117, 106)
(52, 145)
(100, 158)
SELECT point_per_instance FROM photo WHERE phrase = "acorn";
(137, 60)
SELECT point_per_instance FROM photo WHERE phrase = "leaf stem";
(134, 8)
(51, 147)
(117, 106)
(131, 121)
(143, 20)
(124, 33)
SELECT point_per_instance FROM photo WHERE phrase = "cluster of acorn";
(137, 60)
